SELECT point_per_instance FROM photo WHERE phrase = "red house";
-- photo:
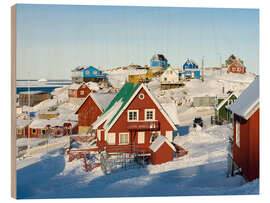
(132, 121)
(161, 150)
(92, 107)
(236, 67)
(41, 128)
(245, 145)
(78, 90)
(22, 127)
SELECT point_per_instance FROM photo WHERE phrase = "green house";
(222, 114)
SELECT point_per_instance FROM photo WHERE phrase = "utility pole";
(220, 60)
(203, 69)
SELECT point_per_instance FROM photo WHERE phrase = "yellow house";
(140, 76)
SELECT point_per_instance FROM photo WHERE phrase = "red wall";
(88, 113)
(236, 65)
(24, 132)
(162, 155)
(138, 104)
(247, 156)
(77, 93)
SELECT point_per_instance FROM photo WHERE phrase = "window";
(141, 137)
(133, 115)
(141, 96)
(87, 72)
(70, 92)
(165, 79)
(149, 114)
(154, 135)
(43, 132)
(123, 138)
(237, 133)
(19, 131)
(98, 134)
(95, 72)
(111, 138)
(34, 131)
(82, 92)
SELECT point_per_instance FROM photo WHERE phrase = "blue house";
(159, 60)
(86, 74)
(191, 70)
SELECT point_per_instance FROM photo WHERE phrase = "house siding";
(247, 155)
(137, 104)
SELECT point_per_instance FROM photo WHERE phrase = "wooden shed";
(222, 114)
(244, 157)
(161, 150)
(35, 97)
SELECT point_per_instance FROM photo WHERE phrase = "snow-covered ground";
(201, 172)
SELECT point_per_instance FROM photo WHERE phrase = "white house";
(170, 76)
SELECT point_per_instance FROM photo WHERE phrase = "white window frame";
(137, 111)
(141, 137)
(81, 92)
(121, 134)
(19, 131)
(141, 96)
(111, 138)
(99, 134)
(33, 129)
(145, 114)
(237, 134)
(151, 135)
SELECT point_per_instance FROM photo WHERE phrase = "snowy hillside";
(201, 172)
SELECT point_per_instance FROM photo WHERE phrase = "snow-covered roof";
(225, 100)
(121, 101)
(171, 110)
(103, 99)
(158, 142)
(42, 123)
(21, 123)
(248, 102)
(34, 92)
(74, 86)
(93, 86)
(138, 72)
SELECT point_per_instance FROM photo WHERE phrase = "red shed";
(246, 135)
(92, 107)
(161, 150)
(132, 121)
(78, 90)
(236, 67)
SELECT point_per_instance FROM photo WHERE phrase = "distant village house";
(190, 70)
(87, 74)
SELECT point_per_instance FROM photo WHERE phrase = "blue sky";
(53, 39)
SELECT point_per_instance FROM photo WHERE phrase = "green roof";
(124, 94)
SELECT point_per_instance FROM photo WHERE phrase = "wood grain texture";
(13, 101)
